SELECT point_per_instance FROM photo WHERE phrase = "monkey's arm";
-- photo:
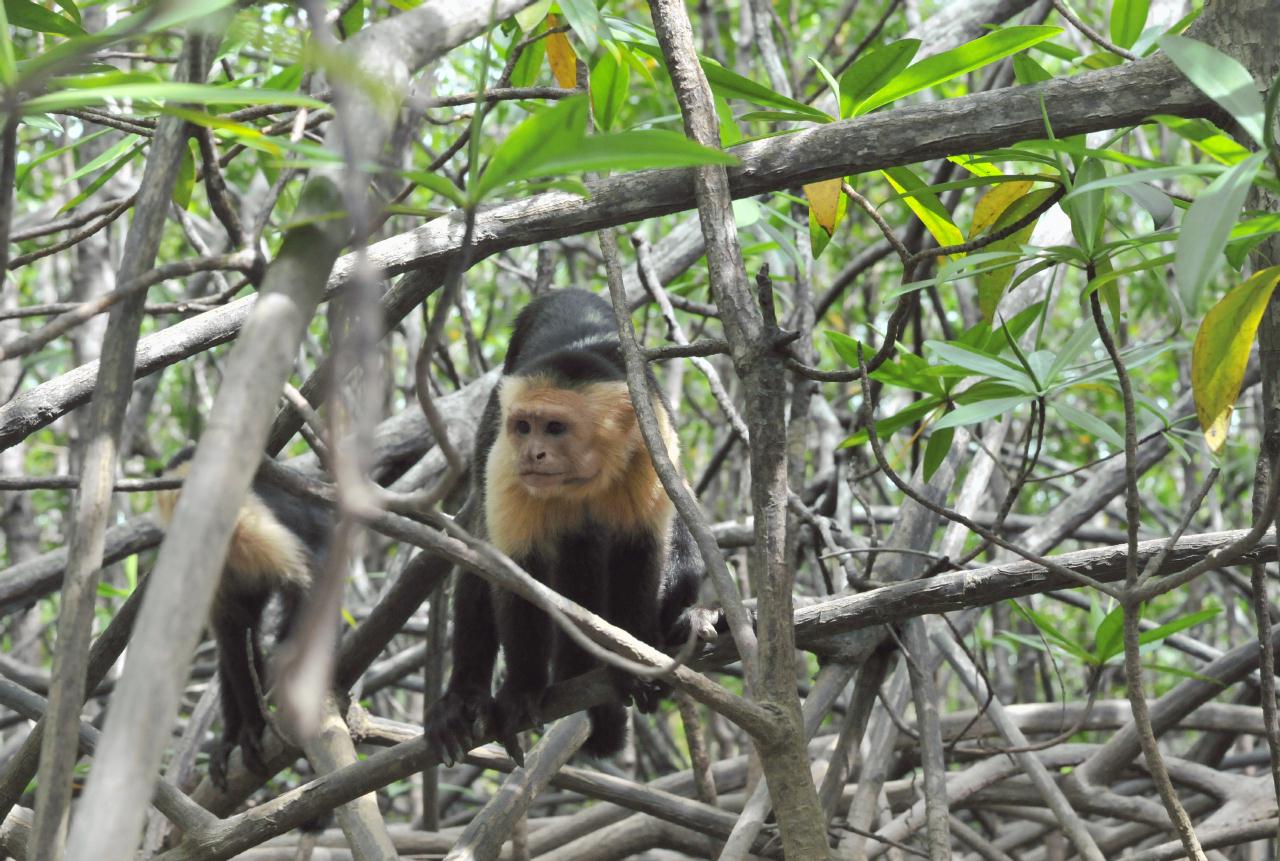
(451, 722)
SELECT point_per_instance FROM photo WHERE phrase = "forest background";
(955, 304)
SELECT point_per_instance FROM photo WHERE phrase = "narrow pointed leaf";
(1222, 349)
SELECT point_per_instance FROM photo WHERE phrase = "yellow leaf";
(1222, 349)
(992, 283)
(824, 201)
(560, 56)
(995, 202)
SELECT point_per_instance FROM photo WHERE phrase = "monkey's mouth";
(542, 479)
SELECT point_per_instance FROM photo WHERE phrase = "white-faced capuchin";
(278, 546)
(570, 494)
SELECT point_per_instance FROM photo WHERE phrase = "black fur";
(236, 621)
(568, 335)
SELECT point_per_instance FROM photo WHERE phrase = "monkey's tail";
(608, 729)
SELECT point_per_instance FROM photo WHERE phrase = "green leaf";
(948, 65)
(1206, 137)
(353, 19)
(1109, 638)
(1153, 200)
(872, 72)
(106, 156)
(1221, 352)
(72, 10)
(102, 178)
(910, 415)
(1087, 210)
(25, 169)
(980, 363)
(438, 183)
(199, 94)
(731, 85)
(554, 141)
(847, 348)
(186, 180)
(43, 122)
(925, 204)
(24, 13)
(1157, 174)
(529, 65)
(584, 18)
(639, 149)
(1090, 424)
(610, 84)
(543, 136)
(530, 16)
(992, 284)
(936, 451)
(1222, 78)
(1180, 624)
(832, 83)
(8, 65)
(1207, 225)
(980, 411)
(1027, 71)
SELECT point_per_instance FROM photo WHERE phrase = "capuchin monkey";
(569, 493)
(278, 545)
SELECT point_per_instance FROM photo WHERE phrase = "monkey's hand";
(250, 742)
(701, 622)
(451, 724)
(645, 693)
(513, 710)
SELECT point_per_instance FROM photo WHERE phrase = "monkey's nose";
(540, 455)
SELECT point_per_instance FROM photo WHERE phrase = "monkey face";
(554, 448)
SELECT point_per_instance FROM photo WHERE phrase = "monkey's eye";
(556, 428)
(522, 427)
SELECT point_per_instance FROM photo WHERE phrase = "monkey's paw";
(250, 744)
(645, 693)
(703, 623)
(514, 710)
(451, 724)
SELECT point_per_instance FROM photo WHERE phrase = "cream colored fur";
(264, 554)
(625, 494)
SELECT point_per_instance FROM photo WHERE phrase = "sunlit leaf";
(731, 85)
(1128, 18)
(610, 84)
(948, 65)
(24, 13)
(1221, 352)
(200, 94)
(824, 202)
(530, 16)
(1027, 71)
(925, 204)
(584, 18)
(1222, 78)
(554, 141)
(561, 58)
(872, 72)
(1207, 225)
(992, 204)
